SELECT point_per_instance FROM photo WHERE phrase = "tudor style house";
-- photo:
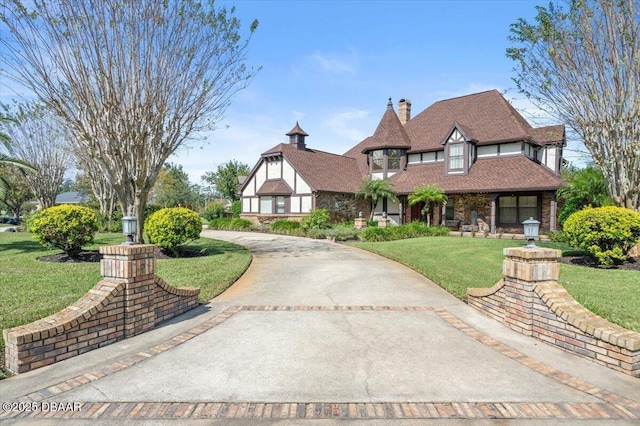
(492, 164)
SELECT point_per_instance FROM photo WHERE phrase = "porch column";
(401, 210)
(493, 212)
(443, 213)
(553, 214)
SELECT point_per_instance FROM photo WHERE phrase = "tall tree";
(374, 190)
(133, 80)
(225, 178)
(173, 188)
(582, 63)
(5, 147)
(429, 195)
(14, 190)
(38, 139)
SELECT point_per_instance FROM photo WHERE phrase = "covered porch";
(497, 213)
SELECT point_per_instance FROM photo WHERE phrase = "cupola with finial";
(296, 137)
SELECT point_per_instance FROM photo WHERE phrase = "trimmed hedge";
(169, 228)
(288, 227)
(608, 233)
(66, 227)
(228, 224)
(401, 232)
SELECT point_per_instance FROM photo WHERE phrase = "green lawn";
(32, 289)
(458, 263)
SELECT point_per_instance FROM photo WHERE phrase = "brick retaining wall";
(130, 300)
(529, 300)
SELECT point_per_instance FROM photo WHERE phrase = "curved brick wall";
(529, 300)
(130, 300)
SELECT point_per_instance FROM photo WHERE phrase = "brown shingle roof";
(549, 134)
(500, 174)
(322, 170)
(275, 187)
(487, 115)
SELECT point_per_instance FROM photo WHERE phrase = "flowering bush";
(608, 233)
(65, 227)
(170, 228)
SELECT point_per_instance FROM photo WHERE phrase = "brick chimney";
(296, 137)
(404, 110)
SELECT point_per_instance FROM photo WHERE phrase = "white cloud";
(348, 125)
(334, 63)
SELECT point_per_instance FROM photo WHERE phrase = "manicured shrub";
(285, 226)
(608, 233)
(400, 232)
(228, 224)
(214, 211)
(316, 219)
(374, 234)
(340, 233)
(170, 228)
(65, 227)
(236, 208)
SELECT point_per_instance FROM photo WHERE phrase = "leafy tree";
(429, 195)
(173, 188)
(5, 157)
(225, 178)
(14, 190)
(374, 190)
(133, 80)
(585, 187)
(583, 65)
(38, 139)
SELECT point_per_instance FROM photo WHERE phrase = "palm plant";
(429, 195)
(375, 189)
(585, 187)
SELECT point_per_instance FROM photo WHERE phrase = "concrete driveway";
(320, 332)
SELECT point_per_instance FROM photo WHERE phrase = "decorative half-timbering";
(492, 164)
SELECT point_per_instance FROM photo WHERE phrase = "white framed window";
(456, 158)
(280, 206)
(266, 205)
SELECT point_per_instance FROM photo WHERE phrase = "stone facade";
(529, 300)
(130, 300)
(342, 207)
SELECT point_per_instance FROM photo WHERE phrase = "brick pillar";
(135, 266)
(383, 222)
(360, 223)
(523, 269)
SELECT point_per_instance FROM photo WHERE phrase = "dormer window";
(378, 160)
(459, 150)
(456, 156)
(395, 155)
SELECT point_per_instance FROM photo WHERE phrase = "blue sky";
(332, 65)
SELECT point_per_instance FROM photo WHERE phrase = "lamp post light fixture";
(129, 228)
(384, 215)
(531, 228)
(360, 213)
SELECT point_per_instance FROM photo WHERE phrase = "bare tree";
(37, 139)
(134, 80)
(583, 65)
(99, 183)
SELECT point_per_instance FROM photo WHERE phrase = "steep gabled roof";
(487, 115)
(498, 174)
(322, 170)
